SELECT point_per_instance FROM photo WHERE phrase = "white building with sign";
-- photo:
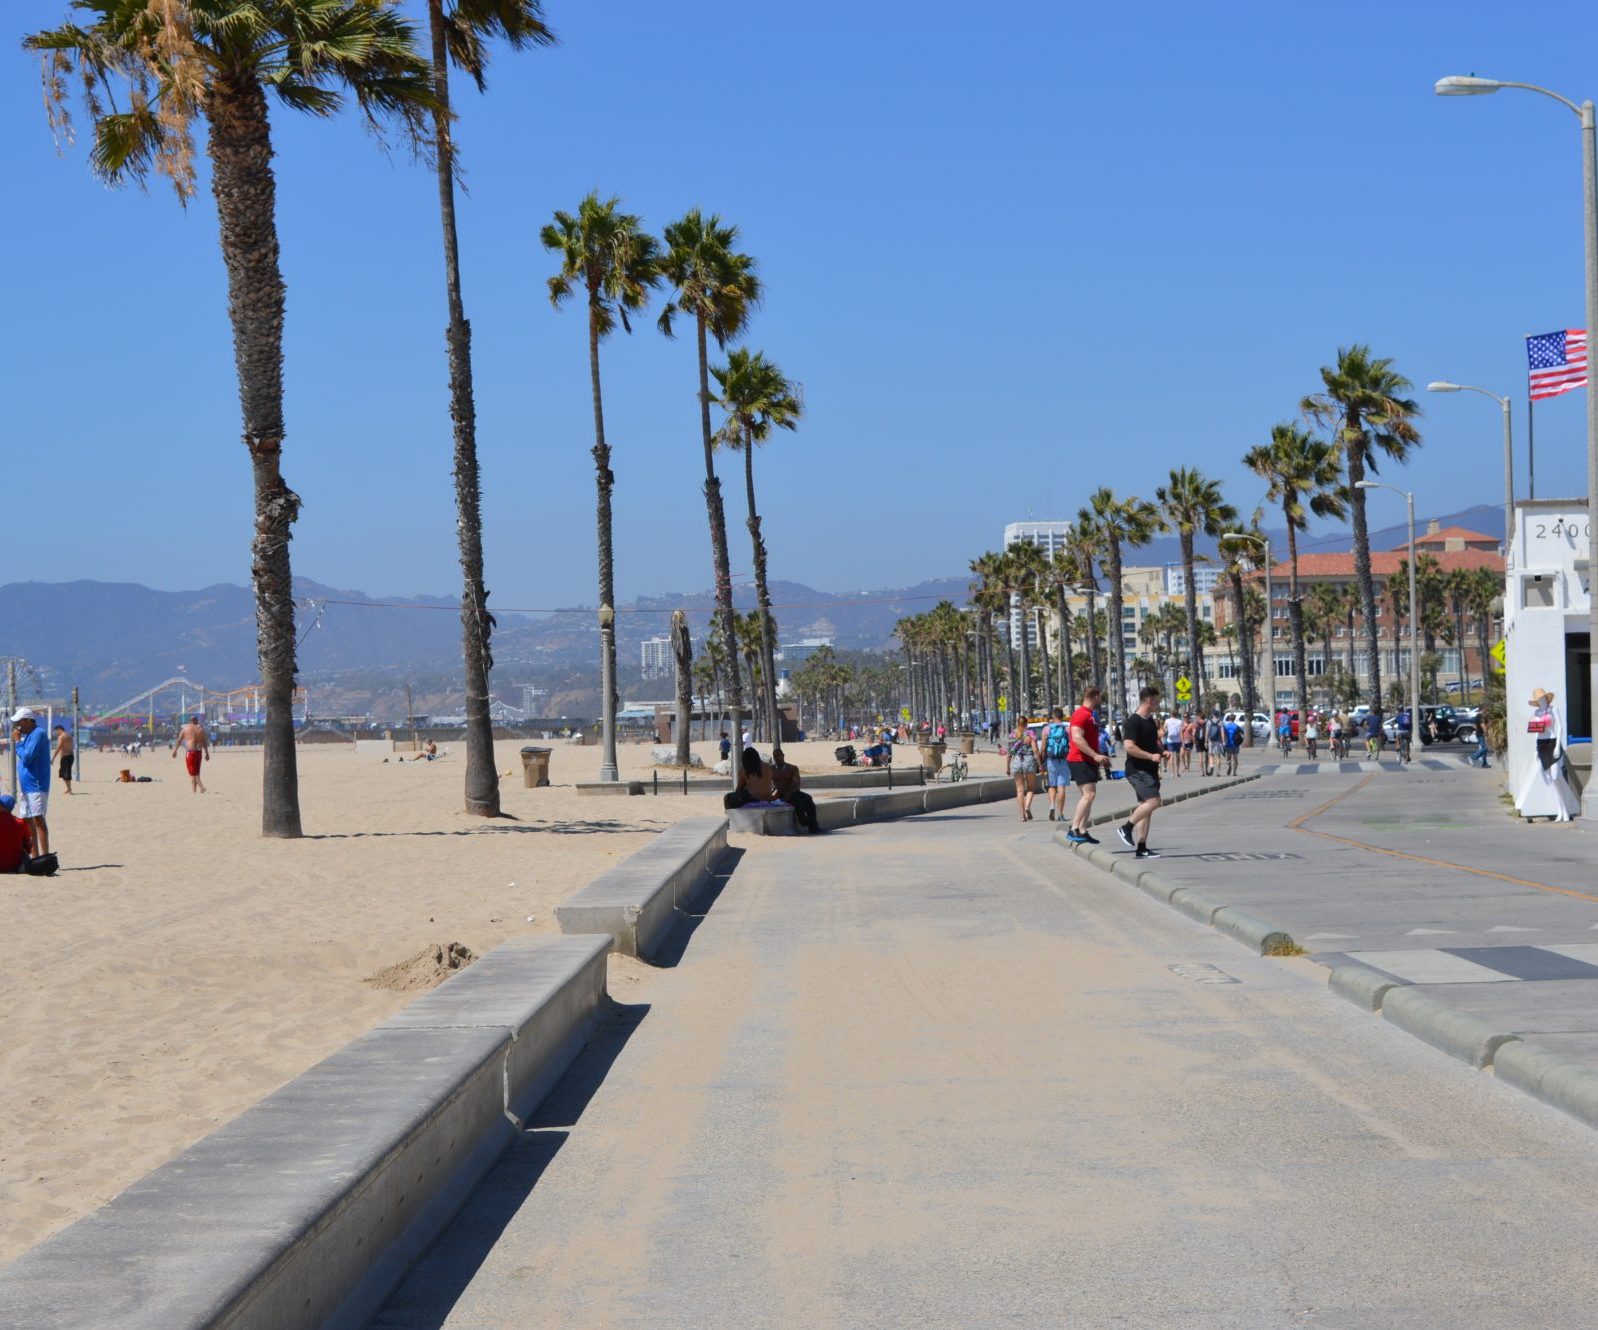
(1546, 641)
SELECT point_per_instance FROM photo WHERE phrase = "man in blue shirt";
(33, 774)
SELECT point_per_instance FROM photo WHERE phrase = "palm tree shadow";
(586, 827)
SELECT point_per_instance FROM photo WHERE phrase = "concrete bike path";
(934, 1072)
(1423, 876)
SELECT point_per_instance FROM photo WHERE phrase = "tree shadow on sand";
(588, 827)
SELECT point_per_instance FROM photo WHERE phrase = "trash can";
(968, 744)
(931, 758)
(535, 767)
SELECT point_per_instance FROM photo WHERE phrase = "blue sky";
(1012, 254)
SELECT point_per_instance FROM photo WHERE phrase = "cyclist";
(1405, 727)
(1373, 736)
(1335, 729)
(1312, 734)
(1284, 733)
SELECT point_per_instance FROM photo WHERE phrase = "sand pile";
(426, 969)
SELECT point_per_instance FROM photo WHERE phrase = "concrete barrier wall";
(304, 1212)
(636, 901)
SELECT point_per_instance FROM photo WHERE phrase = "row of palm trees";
(147, 73)
(1360, 418)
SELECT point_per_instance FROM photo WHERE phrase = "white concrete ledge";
(305, 1211)
(763, 821)
(636, 901)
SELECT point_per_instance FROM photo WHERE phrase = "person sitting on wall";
(786, 778)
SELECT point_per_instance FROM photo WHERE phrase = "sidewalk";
(1423, 875)
(934, 1073)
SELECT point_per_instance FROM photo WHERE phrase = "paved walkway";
(1426, 876)
(940, 1073)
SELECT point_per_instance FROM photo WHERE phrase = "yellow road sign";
(1184, 684)
(904, 713)
(1004, 704)
(1500, 653)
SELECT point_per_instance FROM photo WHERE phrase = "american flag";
(1558, 362)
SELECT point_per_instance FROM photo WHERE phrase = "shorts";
(1059, 773)
(32, 803)
(64, 767)
(1144, 784)
(1200, 744)
(192, 759)
(1084, 773)
(1231, 749)
(1173, 745)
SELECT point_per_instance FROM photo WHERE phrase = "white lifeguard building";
(1548, 586)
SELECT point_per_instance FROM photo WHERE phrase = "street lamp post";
(1509, 448)
(1414, 625)
(1268, 632)
(1462, 86)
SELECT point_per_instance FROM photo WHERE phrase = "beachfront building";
(657, 659)
(1460, 668)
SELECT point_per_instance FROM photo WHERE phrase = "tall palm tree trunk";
(482, 776)
(1113, 628)
(1026, 658)
(605, 481)
(768, 646)
(1246, 649)
(1295, 620)
(1067, 665)
(718, 535)
(683, 651)
(1043, 658)
(1362, 568)
(240, 149)
(1195, 655)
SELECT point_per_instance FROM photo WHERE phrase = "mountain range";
(114, 639)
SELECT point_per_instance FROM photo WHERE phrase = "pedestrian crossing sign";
(1499, 653)
(1184, 689)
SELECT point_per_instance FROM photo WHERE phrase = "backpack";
(1213, 733)
(1059, 741)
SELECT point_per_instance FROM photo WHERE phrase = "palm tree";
(1029, 569)
(757, 399)
(1364, 408)
(615, 262)
(216, 60)
(716, 286)
(1065, 575)
(460, 31)
(1121, 522)
(682, 650)
(991, 600)
(1193, 503)
(1483, 587)
(1085, 542)
(1325, 610)
(1301, 473)
(1238, 556)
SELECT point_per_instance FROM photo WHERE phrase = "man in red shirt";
(1085, 761)
(16, 838)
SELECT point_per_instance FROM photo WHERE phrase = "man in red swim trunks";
(196, 746)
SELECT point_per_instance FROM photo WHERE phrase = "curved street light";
(1443, 386)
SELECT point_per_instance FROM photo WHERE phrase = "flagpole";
(1531, 448)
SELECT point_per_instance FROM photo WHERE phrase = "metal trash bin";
(535, 767)
(931, 758)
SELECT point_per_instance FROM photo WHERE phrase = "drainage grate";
(1200, 973)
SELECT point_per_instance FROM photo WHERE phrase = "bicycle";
(1309, 748)
(1403, 746)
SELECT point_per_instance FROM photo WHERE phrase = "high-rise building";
(656, 657)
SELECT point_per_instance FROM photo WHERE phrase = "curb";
(1237, 923)
(1364, 988)
(1466, 1037)
(306, 1210)
(1557, 1080)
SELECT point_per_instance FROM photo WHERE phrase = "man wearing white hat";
(33, 774)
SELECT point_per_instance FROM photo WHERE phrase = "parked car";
(1447, 722)
(1262, 722)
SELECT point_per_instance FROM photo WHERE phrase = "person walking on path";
(1172, 756)
(1141, 739)
(1189, 740)
(1211, 737)
(1021, 761)
(1232, 734)
(63, 757)
(785, 776)
(196, 746)
(1056, 745)
(1084, 760)
(33, 774)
